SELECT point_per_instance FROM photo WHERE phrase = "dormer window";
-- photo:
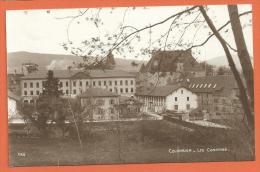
(209, 85)
(205, 85)
(201, 85)
(214, 85)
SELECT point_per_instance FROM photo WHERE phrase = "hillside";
(222, 61)
(16, 59)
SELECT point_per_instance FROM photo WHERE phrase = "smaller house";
(13, 114)
(129, 107)
(175, 98)
(217, 95)
(100, 104)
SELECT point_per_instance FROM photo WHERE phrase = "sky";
(43, 31)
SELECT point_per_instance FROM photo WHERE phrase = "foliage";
(223, 71)
(49, 109)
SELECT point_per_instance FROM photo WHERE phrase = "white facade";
(180, 100)
(12, 108)
(71, 87)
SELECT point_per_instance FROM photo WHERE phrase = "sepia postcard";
(130, 85)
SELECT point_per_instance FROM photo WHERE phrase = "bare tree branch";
(222, 27)
(153, 25)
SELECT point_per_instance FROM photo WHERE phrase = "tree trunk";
(242, 51)
(244, 97)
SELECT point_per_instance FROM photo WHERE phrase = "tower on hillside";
(110, 61)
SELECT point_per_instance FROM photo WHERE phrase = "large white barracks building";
(75, 82)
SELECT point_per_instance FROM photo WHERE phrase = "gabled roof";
(13, 96)
(67, 74)
(160, 91)
(80, 75)
(97, 92)
(212, 84)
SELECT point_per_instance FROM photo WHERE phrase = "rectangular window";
(25, 93)
(121, 82)
(67, 92)
(126, 90)
(105, 83)
(37, 85)
(112, 101)
(74, 83)
(80, 83)
(61, 84)
(94, 83)
(132, 90)
(121, 90)
(37, 93)
(188, 106)
(176, 99)
(86, 83)
(126, 82)
(132, 82)
(31, 84)
(74, 91)
(115, 82)
(110, 83)
(31, 92)
(67, 84)
(99, 83)
(176, 107)
(110, 90)
(188, 98)
(25, 85)
(112, 110)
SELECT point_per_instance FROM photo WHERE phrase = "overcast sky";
(42, 32)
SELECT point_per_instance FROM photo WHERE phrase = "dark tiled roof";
(13, 96)
(66, 74)
(159, 91)
(97, 92)
(210, 84)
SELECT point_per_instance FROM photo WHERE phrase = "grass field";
(129, 142)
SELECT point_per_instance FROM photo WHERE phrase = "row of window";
(31, 85)
(94, 83)
(126, 90)
(176, 98)
(176, 107)
(31, 93)
(104, 83)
